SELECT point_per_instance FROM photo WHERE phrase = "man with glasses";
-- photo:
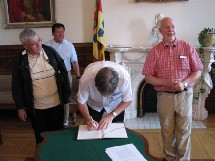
(40, 84)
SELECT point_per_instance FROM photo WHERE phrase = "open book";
(114, 130)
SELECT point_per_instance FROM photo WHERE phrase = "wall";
(126, 22)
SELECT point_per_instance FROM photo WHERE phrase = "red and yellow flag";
(98, 33)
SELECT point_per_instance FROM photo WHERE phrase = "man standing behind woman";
(40, 84)
(67, 52)
(173, 66)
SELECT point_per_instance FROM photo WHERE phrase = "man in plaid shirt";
(173, 66)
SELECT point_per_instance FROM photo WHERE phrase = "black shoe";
(163, 159)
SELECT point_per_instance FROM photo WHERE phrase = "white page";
(85, 134)
(126, 152)
(115, 130)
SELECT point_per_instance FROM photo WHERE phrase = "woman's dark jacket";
(22, 89)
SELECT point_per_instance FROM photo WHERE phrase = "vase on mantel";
(213, 39)
(207, 37)
(210, 40)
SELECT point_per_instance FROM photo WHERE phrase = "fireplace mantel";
(133, 58)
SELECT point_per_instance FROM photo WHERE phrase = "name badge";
(183, 57)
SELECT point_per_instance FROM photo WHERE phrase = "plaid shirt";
(177, 61)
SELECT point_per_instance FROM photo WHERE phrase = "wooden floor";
(19, 144)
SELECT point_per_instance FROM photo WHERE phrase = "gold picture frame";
(26, 13)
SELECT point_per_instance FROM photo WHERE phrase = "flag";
(98, 33)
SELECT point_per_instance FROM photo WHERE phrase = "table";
(64, 146)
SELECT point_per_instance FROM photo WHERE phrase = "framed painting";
(28, 13)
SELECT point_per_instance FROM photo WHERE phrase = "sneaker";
(66, 123)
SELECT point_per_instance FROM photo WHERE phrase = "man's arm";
(180, 85)
(17, 89)
(160, 81)
(83, 108)
(75, 66)
(121, 107)
(192, 77)
(103, 124)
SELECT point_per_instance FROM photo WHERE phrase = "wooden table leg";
(1, 140)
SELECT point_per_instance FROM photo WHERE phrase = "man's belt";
(175, 92)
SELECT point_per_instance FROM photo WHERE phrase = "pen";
(94, 122)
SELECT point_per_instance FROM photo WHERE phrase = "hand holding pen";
(92, 124)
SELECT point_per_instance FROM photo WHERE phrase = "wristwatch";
(114, 114)
(185, 85)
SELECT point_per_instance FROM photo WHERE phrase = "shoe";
(66, 123)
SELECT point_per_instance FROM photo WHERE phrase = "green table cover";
(64, 146)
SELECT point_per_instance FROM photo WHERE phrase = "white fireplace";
(133, 58)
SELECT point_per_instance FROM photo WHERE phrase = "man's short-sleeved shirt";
(66, 50)
(177, 61)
